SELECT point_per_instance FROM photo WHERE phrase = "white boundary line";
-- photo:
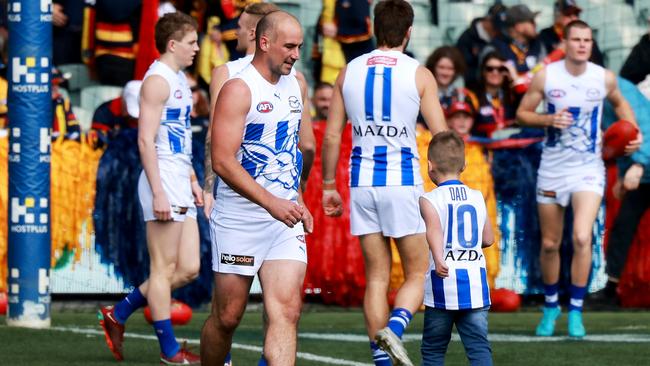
(492, 337)
(247, 347)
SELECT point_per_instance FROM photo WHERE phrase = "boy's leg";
(436, 335)
(472, 327)
(551, 221)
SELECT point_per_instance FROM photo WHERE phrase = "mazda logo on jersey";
(237, 260)
(264, 107)
(556, 93)
(593, 93)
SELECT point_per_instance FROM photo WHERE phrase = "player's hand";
(332, 203)
(208, 200)
(562, 119)
(634, 145)
(307, 220)
(162, 210)
(285, 211)
(197, 192)
(633, 177)
(442, 270)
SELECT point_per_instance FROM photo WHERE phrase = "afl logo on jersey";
(178, 94)
(556, 93)
(264, 107)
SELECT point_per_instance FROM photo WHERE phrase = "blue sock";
(379, 357)
(262, 361)
(131, 303)
(168, 345)
(228, 358)
(399, 320)
(551, 295)
(577, 295)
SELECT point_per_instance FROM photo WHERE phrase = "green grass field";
(333, 336)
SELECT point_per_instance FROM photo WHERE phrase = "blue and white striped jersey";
(580, 144)
(382, 103)
(462, 215)
(269, 150)
(174, 138)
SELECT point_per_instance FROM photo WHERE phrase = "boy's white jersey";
(174, 138)
(579, 145)
(462, 216)
(382, 103)
(269, 149)
(238, 65)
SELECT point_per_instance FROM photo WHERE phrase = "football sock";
(399, 320)
(577, 294)
(262, 361)
(379, 357)
(551, 295)
(131, 303)
(168, 345)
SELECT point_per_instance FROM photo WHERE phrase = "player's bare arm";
(307, 140)
(488, 233)
(220, 75)
(622, 109)
(526, 115)
(154, 93)
(229, 119)
(429, 100)
(434, 236)
(332, 203)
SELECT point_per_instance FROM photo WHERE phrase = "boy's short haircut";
(447, 151)
(173, 26)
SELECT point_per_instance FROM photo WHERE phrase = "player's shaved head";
(269, 24)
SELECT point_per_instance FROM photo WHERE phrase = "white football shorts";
(558, 190)
(178, 189)
(390, 210)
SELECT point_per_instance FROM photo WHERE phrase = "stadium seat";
(93, 96)
(79, 78)
(83, 116)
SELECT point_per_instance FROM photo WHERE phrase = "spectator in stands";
(199, 116)
(64, 122)
(479, 34)
(633, 187)
(564, 12)
(321, 101)
(520, 45)
(495, 97)
(67, 21)
(446, 63)
(353, 28)
(121, 112)
(637, 65)
(213, 52)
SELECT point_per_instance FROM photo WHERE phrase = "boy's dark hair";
(447, 151)
(393, 18)
(173, 26)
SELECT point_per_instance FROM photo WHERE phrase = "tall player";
(382, 92)
(246, 43)
(166, 186)
(258, 215)
(571, 169)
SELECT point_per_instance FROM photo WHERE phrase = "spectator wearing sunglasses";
(496, 101)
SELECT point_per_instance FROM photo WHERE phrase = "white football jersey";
(462, 215)
(234, 67)
(269, 150)
(579, 145)
(174, 138)
(382, 103)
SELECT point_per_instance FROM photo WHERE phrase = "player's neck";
(168, 59)
(446, 178)
(575, 68)
(386, 48)
(265, 71)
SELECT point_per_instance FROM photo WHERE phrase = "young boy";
(457, 227)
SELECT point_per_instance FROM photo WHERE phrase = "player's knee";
(228, 318)
(581, 239)
(288, 312)
(189, 272)
(550, 246)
